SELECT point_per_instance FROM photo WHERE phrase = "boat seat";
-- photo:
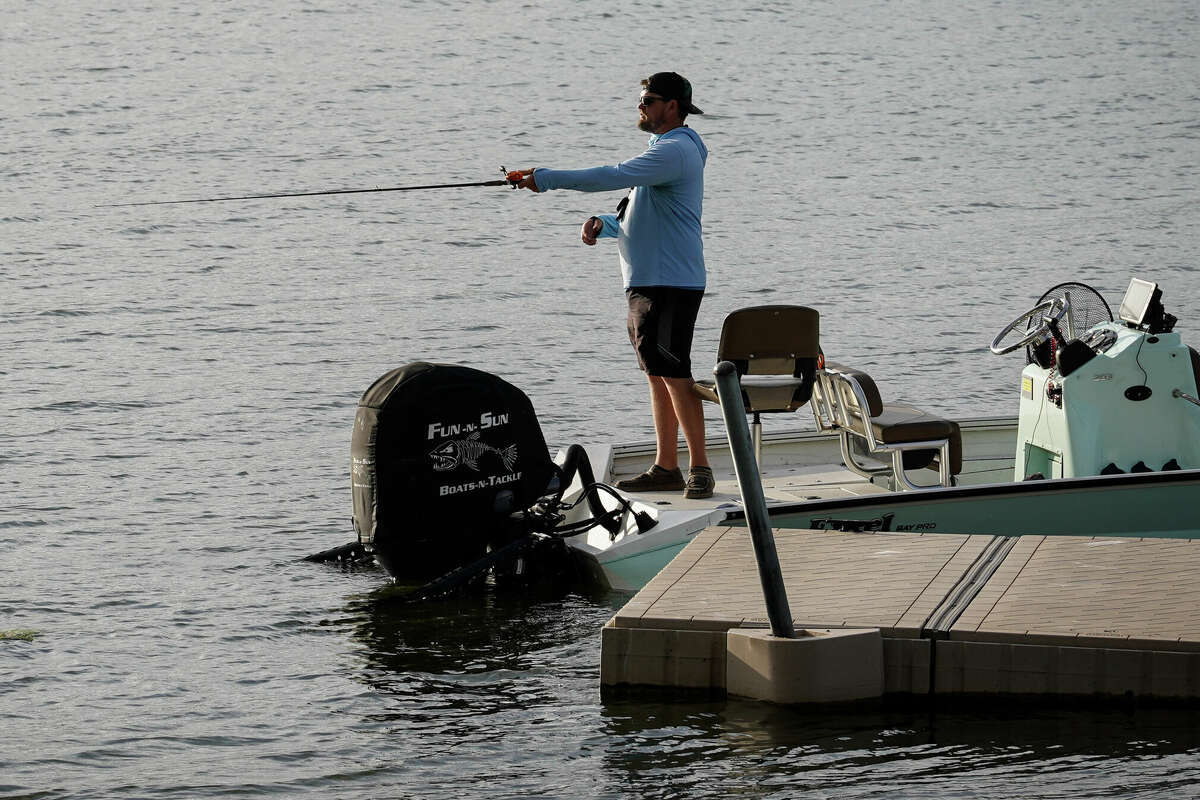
(847, 401)
(775, 350)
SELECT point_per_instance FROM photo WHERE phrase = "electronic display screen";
(1136, 301)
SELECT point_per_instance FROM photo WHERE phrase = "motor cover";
(440, 456)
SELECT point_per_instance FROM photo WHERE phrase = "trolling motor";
(452, 480)
(1101, 396)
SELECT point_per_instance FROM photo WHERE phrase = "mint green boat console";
(1112, 397)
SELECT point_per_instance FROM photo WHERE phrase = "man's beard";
(645, 125)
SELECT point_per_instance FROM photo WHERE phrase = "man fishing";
(657, 228)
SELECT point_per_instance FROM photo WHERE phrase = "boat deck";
(804, 464)
(780, 485)
(956, 613)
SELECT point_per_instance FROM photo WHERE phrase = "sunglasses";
(645, 101)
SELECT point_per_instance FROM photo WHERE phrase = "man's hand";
(590, 230)
(527, 181)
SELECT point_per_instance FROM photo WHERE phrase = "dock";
(931, 614)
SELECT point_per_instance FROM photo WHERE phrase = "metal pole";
(755, 503)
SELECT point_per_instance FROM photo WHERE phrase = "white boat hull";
(807, 487)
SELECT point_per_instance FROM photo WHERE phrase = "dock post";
(755, 503)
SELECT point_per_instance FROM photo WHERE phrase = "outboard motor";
(441, 458)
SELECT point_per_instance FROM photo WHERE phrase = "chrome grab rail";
(1184, 396)
(840, 406)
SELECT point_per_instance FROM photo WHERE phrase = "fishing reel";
(514, 177)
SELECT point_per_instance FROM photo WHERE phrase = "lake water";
(179, 381)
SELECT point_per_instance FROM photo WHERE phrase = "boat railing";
(847, 402)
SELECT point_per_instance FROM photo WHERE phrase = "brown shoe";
(700, 483)
(655, 479)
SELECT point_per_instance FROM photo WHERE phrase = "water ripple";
(180, 381)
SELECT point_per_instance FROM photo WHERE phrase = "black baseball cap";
(672, 86)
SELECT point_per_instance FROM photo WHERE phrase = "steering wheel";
(1051, 312)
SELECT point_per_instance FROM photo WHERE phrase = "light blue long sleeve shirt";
(659, 237)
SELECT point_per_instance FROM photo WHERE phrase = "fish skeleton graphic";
(449, 455)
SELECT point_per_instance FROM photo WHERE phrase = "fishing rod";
(509, 179)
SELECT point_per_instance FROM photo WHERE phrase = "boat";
(452, 480)
(1106, 443)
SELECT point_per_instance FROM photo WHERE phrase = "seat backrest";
(870, 392)
(771, 340)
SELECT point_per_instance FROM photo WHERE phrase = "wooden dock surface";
(957, 613)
